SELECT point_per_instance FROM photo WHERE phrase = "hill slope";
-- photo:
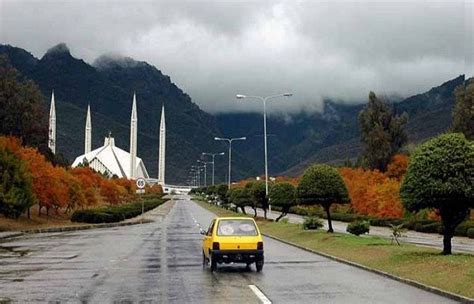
(108, 85)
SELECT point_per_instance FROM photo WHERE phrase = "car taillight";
(260, 246)
(215, 246)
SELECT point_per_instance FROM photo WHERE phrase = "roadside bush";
(470, 233)
(358, 227)
(312, 223)
(116, 213)
(429, 228)
(462, 229)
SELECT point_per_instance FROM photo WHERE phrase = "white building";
(111, 160)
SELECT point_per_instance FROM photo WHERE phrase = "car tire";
(204, 260)
(259, 265)
(213, 263)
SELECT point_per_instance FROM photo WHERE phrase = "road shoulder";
(156, 214)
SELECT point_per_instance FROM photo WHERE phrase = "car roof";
(234, 218)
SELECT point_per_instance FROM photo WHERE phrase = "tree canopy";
(258, 195)
(440, 175)
(322, 185)
(283, 195)
(16, 193)
(240, 197)
(463, 112)
(21, 108)
(382, 132)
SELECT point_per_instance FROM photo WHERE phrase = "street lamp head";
(222, 153)
(243, 138)
(218, 138)
(240, 96)
(288, 94)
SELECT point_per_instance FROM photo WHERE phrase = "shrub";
(470, 233)
(312, 223)
(358, 227)
(463, 228)
(429, 228)
(116, 213)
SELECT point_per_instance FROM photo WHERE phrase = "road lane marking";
(260, 294)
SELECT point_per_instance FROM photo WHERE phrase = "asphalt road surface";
(161, 262)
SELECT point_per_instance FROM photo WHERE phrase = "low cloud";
(216, 49)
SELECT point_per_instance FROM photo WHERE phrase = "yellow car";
(232, 240)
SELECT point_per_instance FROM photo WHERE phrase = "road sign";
(140, 191)
(141, 183)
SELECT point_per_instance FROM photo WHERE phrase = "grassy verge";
(453, 273)
(117, 213)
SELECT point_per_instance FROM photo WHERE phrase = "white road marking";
(260, 294)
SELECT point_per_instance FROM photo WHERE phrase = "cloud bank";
(216, 49)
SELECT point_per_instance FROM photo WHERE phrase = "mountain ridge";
(108, 85)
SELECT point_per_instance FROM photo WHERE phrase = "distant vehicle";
(232, 240)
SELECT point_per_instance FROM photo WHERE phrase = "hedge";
(115, 213)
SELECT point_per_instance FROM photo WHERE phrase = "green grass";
(454, 273)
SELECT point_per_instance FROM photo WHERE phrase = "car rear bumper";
(237, 256)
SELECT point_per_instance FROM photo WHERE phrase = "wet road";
(160, 262)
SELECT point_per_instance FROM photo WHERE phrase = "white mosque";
(110, 159)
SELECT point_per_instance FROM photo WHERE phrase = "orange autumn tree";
(374, 193)
(90, 182)
(49, 185)
(111, 192)
(397, 167)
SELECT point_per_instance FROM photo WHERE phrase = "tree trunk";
(280, 216)
(451, 218)
(243, 209)
(29, 217)
(328, 213)
(447, 243)
(255, 211)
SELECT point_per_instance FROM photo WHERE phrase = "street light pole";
(264, 100)
(230, 140)
(213, 162)
(204, 164)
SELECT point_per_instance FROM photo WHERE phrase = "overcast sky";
(216, 49)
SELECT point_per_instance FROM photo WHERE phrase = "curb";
(72, 228)
(432, 289)
(127, 222)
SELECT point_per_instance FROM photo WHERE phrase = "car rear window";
(236, 228)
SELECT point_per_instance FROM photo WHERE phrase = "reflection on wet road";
(161, 262)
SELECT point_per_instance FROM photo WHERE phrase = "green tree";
(440, 175)
(283, 195)
(463, 112)
(382, 132)
(322, 185)
(240, 197)
(259, 197)
(16, 193)
(21, 108)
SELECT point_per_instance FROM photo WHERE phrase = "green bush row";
(117, 213)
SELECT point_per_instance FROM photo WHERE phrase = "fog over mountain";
(214, 49)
